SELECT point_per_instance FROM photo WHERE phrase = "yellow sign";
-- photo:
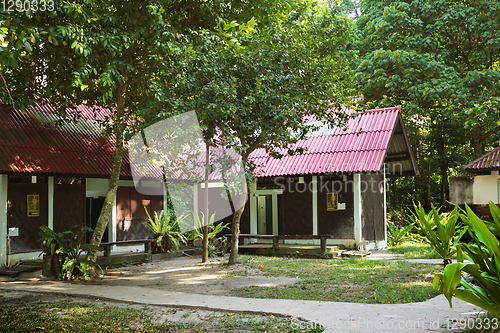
(33, 205)
(332, 202)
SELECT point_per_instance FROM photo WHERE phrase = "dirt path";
(184, 274)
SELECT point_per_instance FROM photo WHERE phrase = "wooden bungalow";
(57, 176)
(337, 187)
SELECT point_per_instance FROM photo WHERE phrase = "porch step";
(25, 267)
(358, 254)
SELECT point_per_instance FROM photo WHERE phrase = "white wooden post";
(50, 183)
(275, 213)
(357, 208)
(253, 208)
(3, 219)
(315, 204)
(384, 243)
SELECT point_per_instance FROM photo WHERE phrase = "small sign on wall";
(332, 202)
(33, 205)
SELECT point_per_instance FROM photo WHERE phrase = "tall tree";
(109, 54)
(253, 85)
(439, 60)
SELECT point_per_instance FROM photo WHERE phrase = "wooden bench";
(277, 238)
(146, 242)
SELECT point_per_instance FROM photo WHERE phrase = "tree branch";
(490, 133)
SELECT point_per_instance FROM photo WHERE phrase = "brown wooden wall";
(372, 206)
(17, 215)
(339, 223)
(130, 213)
(297, 205)
(69, 207)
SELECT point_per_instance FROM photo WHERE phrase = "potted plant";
(52, 243)
(71, 257)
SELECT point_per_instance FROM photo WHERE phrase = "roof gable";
(360, 147)
(486, 163)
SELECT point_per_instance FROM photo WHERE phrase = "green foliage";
(397, 234)
(484, 252)
(69, 250)
(72, 256)
(254, 85)
(441, 231)
(51, 241)
(215, 244)
(165, 230)
(439, 61)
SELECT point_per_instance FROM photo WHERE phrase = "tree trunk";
(235, 234)
(102, 222)
(477, 142)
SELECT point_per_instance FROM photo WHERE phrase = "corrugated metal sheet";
(30, 143)
(360, 147)
(488, 162)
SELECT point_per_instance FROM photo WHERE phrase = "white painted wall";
(485, 188)
(96, 187)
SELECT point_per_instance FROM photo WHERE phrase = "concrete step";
(14, 272)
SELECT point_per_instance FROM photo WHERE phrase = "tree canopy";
(251, 69)
(439, 60)
(253, 85)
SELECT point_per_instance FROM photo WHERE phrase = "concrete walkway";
(434, 315)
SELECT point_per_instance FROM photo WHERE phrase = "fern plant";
(73, 257)
(166, 231)
(51, 241)
(397, 234)
(213, 250)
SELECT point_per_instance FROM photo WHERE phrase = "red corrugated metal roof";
(29, 145)
(360, 147)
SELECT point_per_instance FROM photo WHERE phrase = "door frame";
(254, 212)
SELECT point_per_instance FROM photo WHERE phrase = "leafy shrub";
(441, 231)
(71, 256)
(215, 244)
(166, 231)
(68, 252)
(397, 234)
(484, 252)
(51, 241)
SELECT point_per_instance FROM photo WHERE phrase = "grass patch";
(348, 280)
(85, 317)
(415, 251)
